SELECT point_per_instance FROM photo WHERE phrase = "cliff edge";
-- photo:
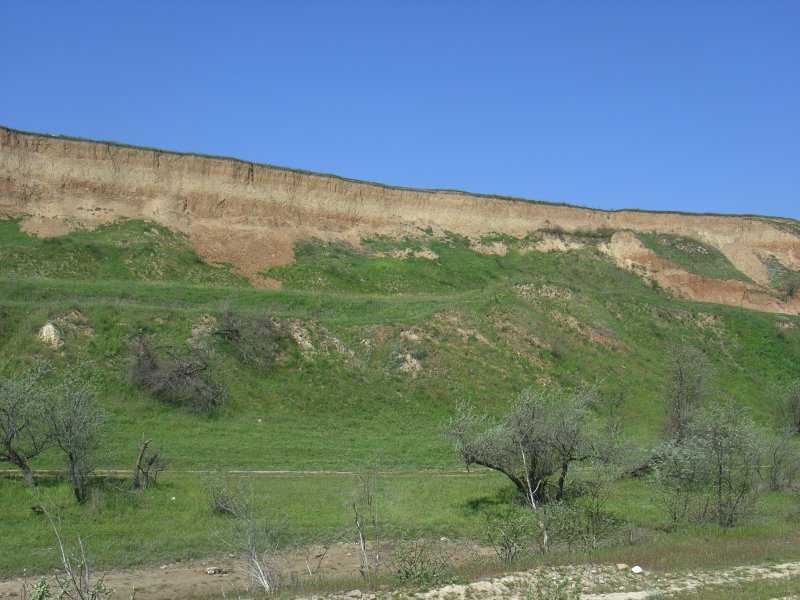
(251, 215)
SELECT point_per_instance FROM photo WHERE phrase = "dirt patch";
(411, 336)
(530, 291)
(409, 364)
(201, 330)
(313, 338)
(224, 576)
(497, 248)
(629, 253)
(426, 253)
(593, 334)
(553, 243)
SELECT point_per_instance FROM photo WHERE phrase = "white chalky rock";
(50, 335)
(637, 569)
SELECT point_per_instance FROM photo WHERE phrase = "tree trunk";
(135, 482)
(22, 462)
(26, 471)
(561, 479)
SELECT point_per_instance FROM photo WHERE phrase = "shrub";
(255, 341)
(177, 380)
(711, 473)
(509, 534)
(421, 564)
(787, 407)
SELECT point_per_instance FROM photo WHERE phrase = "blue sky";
(679, 105)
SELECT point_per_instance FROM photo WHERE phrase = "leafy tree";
(787, 407)
(74, 421)
(689, 383)
(23, 431)
(712, 473)
(539, 437)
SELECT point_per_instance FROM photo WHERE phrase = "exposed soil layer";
(250, 215)
(631, 254)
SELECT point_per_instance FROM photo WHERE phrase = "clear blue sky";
(675, 105)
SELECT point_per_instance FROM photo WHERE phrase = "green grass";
(150, 527)
(783, 278)
(692, 255)
(125, 251)
(460, 315)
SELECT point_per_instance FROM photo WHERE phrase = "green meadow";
(387, 338)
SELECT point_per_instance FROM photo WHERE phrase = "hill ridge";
(252, 215)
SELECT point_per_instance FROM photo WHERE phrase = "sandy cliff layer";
(251, 214)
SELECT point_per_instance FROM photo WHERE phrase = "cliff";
(251, 215)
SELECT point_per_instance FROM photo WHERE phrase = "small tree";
(689, 383)
(727, 435)
(23, 431)
(780, 465)
(365, 512)
(540, 435)
(680, 473)
(713, 472)
(149, 463)
(75, 419)
(787, 407)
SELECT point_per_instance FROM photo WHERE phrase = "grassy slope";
(692, 255)
(460, 315)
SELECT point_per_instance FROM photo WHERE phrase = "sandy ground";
(225, 578)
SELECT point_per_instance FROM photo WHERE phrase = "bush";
(711, 474)
(421, 564)
(787, 407)
(176, 380)
(255, 341)
(510, 534)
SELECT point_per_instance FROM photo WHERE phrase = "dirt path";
(225, 578)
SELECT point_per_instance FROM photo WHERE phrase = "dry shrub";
(255, 340)
(178, 380)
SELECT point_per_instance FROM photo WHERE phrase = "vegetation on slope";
(692, 255)
(125, 251)
(386, 343)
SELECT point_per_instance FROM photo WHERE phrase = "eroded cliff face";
(251, 215)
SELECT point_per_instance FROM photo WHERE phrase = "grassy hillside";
(386, 338)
